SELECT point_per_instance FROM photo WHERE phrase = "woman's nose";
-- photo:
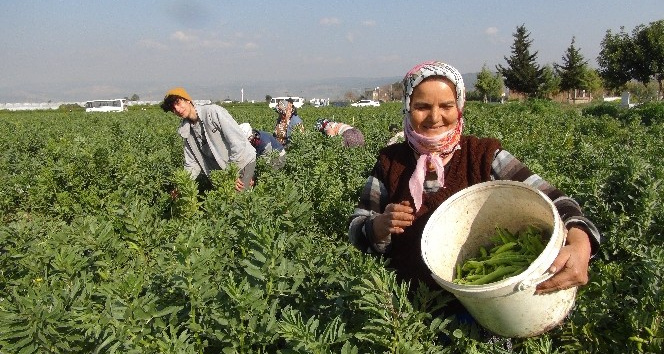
(435, 114)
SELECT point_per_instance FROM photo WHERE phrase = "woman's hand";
(571, 264)
(393, 220)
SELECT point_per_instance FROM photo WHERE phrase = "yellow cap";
(178, 91)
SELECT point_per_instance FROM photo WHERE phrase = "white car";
(366, 103)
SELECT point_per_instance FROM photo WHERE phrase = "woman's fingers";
(398, 217)
(403, 207)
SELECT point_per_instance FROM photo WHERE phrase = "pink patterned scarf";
(432, 151)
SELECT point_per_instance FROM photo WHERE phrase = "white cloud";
(493, 35)
(250, 45)
(329, 21)
(369, 23)
(180, 36)
(200, 41)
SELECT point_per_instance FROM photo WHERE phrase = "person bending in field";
(352, 137)
(212, 138)
(265, 144)
(412, 178)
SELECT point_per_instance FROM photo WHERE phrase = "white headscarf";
(246, 129)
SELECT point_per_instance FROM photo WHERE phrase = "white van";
(297, 101)
(116, 105)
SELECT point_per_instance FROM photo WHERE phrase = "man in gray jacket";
(212, 138)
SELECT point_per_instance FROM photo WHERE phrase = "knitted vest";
(468, 166)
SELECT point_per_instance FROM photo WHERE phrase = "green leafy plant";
(97, 255)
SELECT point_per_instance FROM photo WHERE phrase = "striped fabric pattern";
(505, 166)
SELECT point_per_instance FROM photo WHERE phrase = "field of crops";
(95, 255)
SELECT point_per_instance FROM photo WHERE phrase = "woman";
(286, 122)
(412, 178)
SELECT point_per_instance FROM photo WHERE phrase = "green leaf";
(167, 311)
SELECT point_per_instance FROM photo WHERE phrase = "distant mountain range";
(332, 88)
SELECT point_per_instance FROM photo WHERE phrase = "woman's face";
(433, 107)
(289, 111)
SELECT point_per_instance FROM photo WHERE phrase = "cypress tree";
(522, 74)
(572, 70)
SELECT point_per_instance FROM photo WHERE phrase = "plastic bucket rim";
(507, 283)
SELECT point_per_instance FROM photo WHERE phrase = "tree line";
(623, 60)
(626, 62)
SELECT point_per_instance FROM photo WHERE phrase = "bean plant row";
(97, 256)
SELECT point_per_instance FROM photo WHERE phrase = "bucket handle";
(529, 283)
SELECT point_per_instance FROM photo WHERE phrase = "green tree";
(134, 97)
(649, 40)
(592, 81)
(268, 98)
(639, 56)
(488, 85)
(571, 70)
(615, 59)
(549, 83)
(522, 74)
(640, 92)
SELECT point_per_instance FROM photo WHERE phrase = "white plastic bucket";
(466, 221)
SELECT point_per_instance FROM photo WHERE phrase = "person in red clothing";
(412, 178)
(352, 137)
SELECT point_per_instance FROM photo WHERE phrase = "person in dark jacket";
(266, 145)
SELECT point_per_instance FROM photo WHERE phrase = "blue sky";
(71, 50)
